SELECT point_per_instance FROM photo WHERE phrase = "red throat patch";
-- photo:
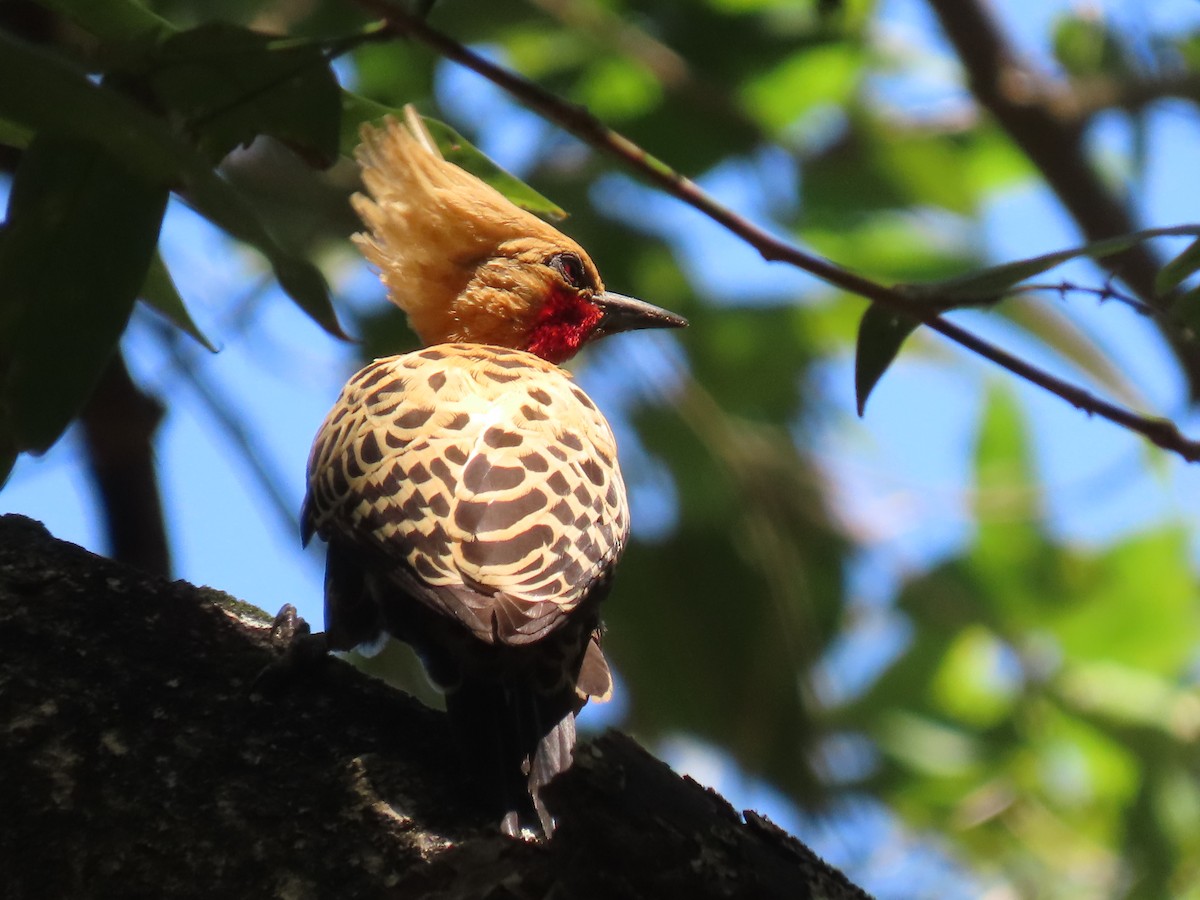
(563, 326)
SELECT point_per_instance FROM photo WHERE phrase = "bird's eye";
(570, 267)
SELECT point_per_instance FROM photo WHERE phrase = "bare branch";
(1102, 294)
(1087, 97)
(579, 122)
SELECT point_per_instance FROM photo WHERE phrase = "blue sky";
(901, 474)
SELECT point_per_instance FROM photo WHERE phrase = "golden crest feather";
(453, 252)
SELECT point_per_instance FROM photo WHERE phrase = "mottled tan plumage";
(470, 492)
(486, 474)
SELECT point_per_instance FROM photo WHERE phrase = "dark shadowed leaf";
(881, 333)
(228, 85)
(119, 21)
(70, 279)
(159, 291)
(1179, 268)
(44, 92)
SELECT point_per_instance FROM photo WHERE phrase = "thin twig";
(236, 430)
(1102, 294)
(579, 122)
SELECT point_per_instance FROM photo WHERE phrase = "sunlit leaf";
(1127, 695)
(1134, 604)
(1086, 46)
(972, 685)
(929, 747)
(616, 88)
(813, 75)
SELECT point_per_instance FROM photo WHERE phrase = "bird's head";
(466, 264)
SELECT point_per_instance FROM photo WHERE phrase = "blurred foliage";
(1044, 713)
(1043, 717)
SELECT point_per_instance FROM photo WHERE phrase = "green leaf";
(1134, 604)
(229, 85)
(458, 150)
(455, 148)
(987, 284)
(967, 686)
(881, 333)
(43, 92)
(13, 134)
(1087, 47)
(1178, 268)
(879, 166)
(1124, 695)
(70, 279)
(1004, 472)
(618, 88)
(112, 20)
(820, 74)
(1014, 562)
(159, 291)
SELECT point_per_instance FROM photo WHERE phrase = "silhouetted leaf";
(881, 334)
(228, 85)
(46, 93)
(119, 21)
(70, 279)
(159, 291)
(1179, 268)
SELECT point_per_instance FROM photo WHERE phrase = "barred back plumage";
(469, 492)
(487, 474)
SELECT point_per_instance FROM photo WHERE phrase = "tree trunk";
(137, 761)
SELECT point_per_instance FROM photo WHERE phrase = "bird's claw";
(302, 652)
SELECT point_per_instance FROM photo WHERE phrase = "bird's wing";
(483, 480)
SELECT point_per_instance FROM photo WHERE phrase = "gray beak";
(623, 313)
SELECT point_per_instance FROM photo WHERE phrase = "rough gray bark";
(136, 761)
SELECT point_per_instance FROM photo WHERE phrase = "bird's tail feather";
(515, 740)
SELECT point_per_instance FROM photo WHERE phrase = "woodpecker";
(469, 492)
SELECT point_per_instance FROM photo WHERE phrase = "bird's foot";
(302, 653)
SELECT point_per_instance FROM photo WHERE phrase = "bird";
(469, 492)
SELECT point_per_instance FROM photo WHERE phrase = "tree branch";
(1049, 130)
(119, 422)
(579, 122)
(136, 760)
(1085, 98)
